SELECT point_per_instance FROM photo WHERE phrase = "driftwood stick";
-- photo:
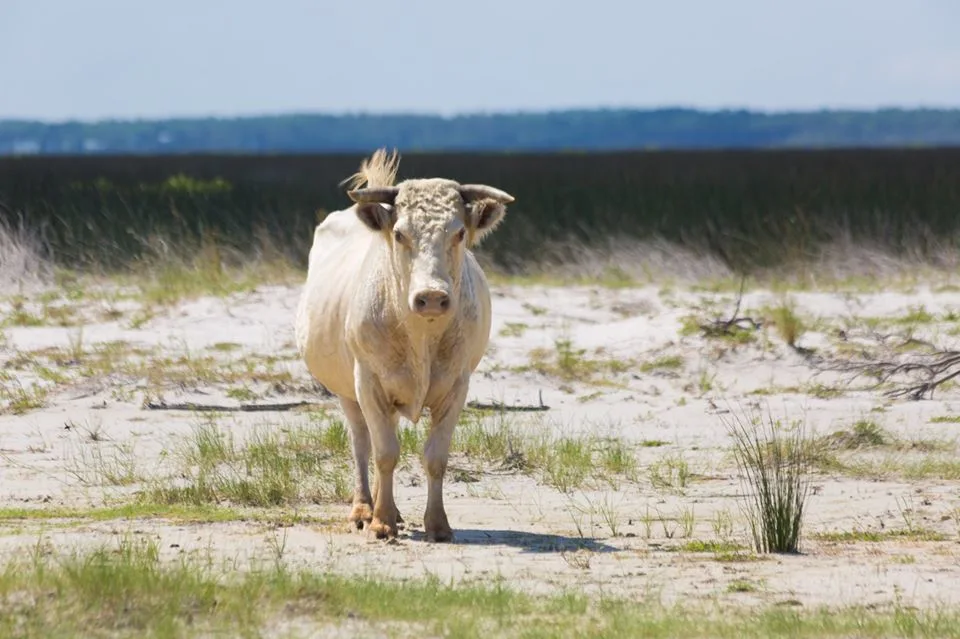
(521, 408)
(725, 327)
(500, 406)
(253, 408)
(242, 408)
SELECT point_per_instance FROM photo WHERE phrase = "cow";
(394, 317)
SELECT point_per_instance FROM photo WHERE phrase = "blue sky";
(94, 59)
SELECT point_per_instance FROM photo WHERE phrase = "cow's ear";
(376, 216)
(483, 216)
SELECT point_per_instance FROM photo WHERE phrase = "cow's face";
(428, 224)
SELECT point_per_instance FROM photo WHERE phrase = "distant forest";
(573, 130)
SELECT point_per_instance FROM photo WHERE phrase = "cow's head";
(428, 224)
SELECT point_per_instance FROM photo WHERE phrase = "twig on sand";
(720, 327)
(519, 408)
(251, 408)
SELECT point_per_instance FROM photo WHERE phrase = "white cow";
(393, 319)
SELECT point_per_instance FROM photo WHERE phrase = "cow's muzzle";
(431, 303)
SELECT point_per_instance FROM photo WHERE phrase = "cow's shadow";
(525, 541)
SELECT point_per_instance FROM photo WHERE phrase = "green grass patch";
(907, 466)
(128, 589)
(876, 536)
(144, 510)
(571, 364)
(273, 467)
(667, 362)
(916, 315)
(712, 546)
(513, 329)
(566, 463)
(18, 400)
(864, 433)
(741, 585)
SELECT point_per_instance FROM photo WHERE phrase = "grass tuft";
(775, 465)
(789, 325)
(671, 471)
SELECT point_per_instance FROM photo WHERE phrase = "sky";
(97, 59)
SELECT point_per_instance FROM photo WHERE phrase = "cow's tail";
(380, 169)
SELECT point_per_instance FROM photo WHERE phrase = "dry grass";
(613, 262)
(23, 261)
(167, 271)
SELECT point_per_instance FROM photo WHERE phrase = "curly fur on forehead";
(433, 198)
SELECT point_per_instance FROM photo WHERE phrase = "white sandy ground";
(506, 524)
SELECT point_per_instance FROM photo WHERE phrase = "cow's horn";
(471, 192)
(381, 194)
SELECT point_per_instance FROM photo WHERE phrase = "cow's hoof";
(436, 526)
(360, 515)
(440, 534)
(382, 529)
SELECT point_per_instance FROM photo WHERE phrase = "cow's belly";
(336, 258)
(332, 367)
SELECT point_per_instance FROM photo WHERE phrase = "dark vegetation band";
(753, 209)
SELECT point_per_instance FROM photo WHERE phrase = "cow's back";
(340, 245)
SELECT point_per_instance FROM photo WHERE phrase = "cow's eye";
(460, 235)
(398, 237)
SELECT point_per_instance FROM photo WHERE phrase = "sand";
(626, 539)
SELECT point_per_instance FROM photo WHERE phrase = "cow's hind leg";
(435, 454)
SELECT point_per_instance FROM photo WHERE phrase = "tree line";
(570, 130)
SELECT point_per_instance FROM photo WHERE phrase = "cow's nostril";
(445, 302)
(421, 302)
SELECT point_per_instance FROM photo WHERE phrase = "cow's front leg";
(362, 511)
(382, 423)
(375, 489)
(444, 418)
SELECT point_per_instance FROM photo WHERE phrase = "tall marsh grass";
(741, 210)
